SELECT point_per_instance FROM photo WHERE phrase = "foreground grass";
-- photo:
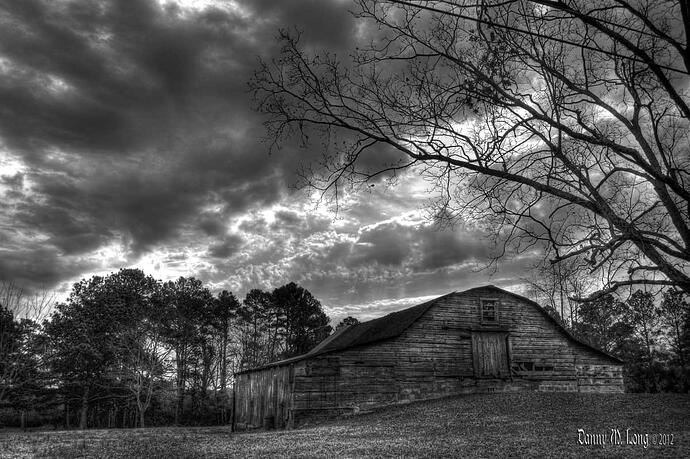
(516, 425)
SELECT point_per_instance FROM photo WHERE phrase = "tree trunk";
(224, 374)
(141, 418)
(224, 361)
(83, 417)
(647, 343)
(205, 370)
(679, 340)
(179, 405)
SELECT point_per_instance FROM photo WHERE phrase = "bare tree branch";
(562, 124)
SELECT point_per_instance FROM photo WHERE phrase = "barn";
(480, 340)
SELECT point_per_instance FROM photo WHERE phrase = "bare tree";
(675, 315)
(645, 317)
(564, 124)
(556, 285)
(26, 305)
(19, 312)
(145, 364)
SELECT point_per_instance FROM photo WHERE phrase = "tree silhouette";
(305, 324)
(189, 307)
(675, 316)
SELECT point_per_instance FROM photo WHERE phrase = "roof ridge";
(384, 327)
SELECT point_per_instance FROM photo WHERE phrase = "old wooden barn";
(481, 340)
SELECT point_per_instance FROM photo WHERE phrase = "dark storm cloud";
(130, 119)
(287, 218)
(226, 248)
(66, 232)
(65, 44)
(211, 224)
(13, 181)
(290, 223)
(387, 245)
(256, 225)
(419, 247)
(324, 24)
(446, 248)
(39, 268)
(130, 137)
(145, 208)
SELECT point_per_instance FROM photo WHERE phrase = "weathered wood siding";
(435, 357)
(263, 393)
(595, 375)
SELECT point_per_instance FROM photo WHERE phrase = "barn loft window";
(488, 311)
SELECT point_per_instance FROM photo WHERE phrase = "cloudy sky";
(128, 139)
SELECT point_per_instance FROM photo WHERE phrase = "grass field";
(516, 425)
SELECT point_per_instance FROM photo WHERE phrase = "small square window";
(489, 311)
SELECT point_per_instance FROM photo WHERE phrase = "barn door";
(490, 354)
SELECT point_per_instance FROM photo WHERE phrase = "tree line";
(127, 350)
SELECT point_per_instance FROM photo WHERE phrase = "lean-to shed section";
(264, 395)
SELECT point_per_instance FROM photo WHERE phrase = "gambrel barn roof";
(395, 323)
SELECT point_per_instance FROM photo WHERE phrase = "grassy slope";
(518, 424)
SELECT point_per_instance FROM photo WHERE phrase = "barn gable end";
(479, 340)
